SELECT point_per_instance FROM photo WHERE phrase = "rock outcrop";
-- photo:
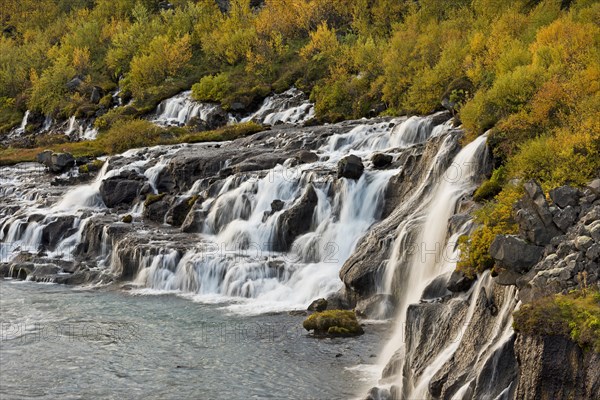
(121, 189)
(553, 367)
(56, 162)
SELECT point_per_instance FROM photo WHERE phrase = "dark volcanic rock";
(56, 162)
(513, 257)
(156, 211)
(565, 196)
(121, 189)
(296, 220)
(534, 217)
(318, 305)
(553, 367)
(180, 209)
(194, 219)
(57, 230)
(458, 282)
(381, 160)
(566, 217)
(306, 156)
(377, 306)
(350, 167)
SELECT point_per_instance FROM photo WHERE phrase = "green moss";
(106, 101)
(153, 198)
(127, 219)
(575, 315)
(84, 169)
(334, 323)
(495, 217)
(192, 200)
(490, 188)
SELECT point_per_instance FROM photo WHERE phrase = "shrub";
(495, 217)
(575, 315)
(124, 135)
(569, 157)
(491, 187)
(212, 88)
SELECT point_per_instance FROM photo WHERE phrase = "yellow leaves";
(289, 18)
(565, 44)
(81, 59)
(164, 58)
(230, 41)
(323, 42)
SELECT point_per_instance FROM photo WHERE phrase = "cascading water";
(422, 253)
(179, 110)
(289, 107)
(247, 252)
(80, 129)
(239, 258)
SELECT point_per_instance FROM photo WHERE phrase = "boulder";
(565, 196)
(381, 160)
(277, 205)
(318, 305)
(96, 95)
(56, 230)
(350, 167)
(56, 162)
(583, 243)
(338, 301)
(180, 209)
(194, 221)
(156, 208)
(534, 216)
(514, 254)
(459, 282)
(566, 218)
(121, 189)
(305, 157)
(296, 220)
(594, 186)
(436, 289)
(45, 157)
(74, 84)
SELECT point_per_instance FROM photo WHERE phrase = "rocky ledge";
(557, 251)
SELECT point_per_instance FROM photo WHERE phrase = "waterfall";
(289, 107)
(179, 110)
(422, 252)
(21, 129)
(23, 125)
(72, 126)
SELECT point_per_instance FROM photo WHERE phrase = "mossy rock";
(333, 323)
(153, 198)
(192, 200)
(127, 219)
(93, 166)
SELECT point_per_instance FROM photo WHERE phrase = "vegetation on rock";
(333, 323)
(130, 134)
(575, 315)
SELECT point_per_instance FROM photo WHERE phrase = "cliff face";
(458, 342)
(553, 367)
